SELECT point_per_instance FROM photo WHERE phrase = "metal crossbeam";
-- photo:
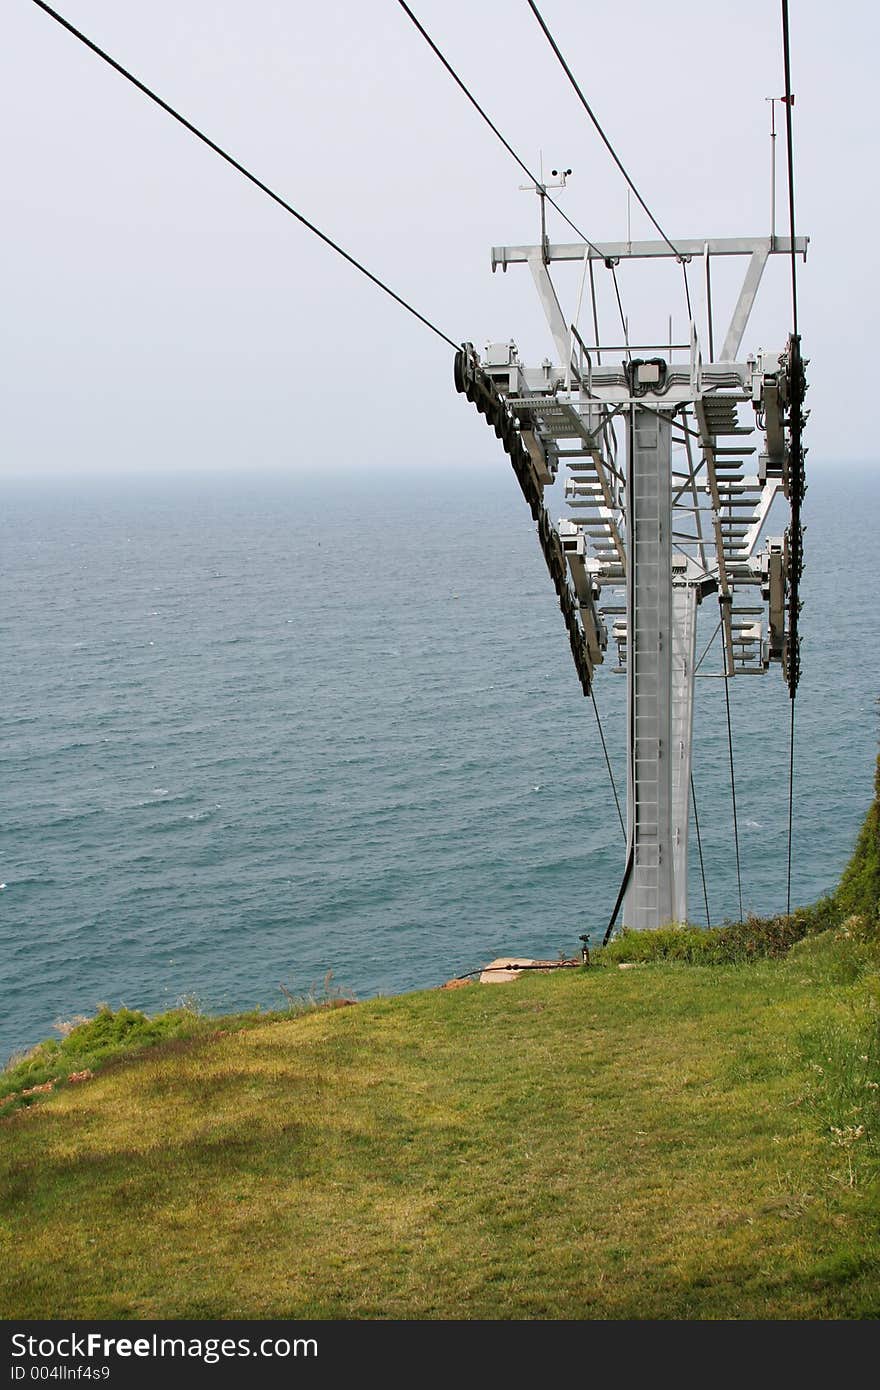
(648, 250)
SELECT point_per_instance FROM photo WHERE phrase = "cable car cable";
(511, 151)
(797, 485)
(592, 115)
(788, 100)
(608, 764)
(264, 188)
(700, 848)
(492, 126)
(733, 792)
(611, 150)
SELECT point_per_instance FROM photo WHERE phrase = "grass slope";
(669, 1140)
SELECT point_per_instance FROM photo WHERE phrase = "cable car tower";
(672, 455)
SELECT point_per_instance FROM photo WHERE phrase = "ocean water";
(258, 728)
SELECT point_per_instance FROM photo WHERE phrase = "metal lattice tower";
(670, 467)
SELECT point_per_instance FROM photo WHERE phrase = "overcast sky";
(161, 313)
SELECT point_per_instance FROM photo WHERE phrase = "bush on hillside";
(91, 1041)
(735, 942)
(859, 890)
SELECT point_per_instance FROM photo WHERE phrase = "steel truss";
(654, 528)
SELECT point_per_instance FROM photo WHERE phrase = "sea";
(269, 735)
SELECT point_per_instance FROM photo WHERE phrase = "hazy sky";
(161, 313)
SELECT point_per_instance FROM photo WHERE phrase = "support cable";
(589, 110)
(614, 155)
(595, 311)
(797, 462)
(700, 848)
(733, 794)
(512, 152)
(687, 290)
(608, 763)
(493, 127)
(790, 802)
(706, 648)
(790, 807)
(627, 874)
(789, 100)
(264, 188)
(622, 315)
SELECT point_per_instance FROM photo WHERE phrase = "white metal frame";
(683, 517)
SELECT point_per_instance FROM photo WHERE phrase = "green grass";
(86, 1044)
(696, 1137)
(645, 1143)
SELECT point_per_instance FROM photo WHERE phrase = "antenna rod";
(772, 101)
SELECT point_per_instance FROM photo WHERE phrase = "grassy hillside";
(674, 1139)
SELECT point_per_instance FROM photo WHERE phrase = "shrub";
(91, 1041)
(756, 938)
(859, 889)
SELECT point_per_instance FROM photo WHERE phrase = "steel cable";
(733, 794)
(264, 188)
(608, 764)
(700, 848)
(589, 110)
(491, 124)
(797, 462)
(510, 150)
